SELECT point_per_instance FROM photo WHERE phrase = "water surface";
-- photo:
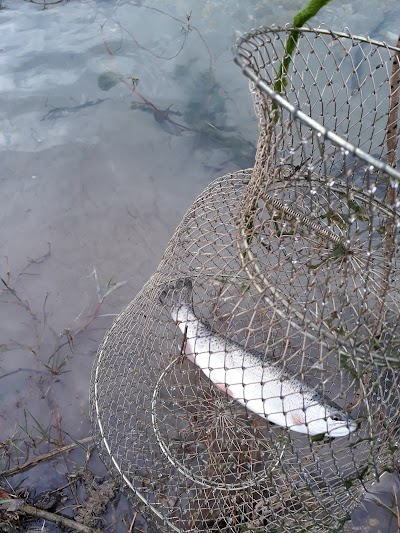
(92, 179)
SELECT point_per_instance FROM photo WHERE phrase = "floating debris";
(108, 80)
(62, 112)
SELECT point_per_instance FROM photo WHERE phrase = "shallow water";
(87, 170)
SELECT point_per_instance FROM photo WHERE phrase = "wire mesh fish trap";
(252, 384)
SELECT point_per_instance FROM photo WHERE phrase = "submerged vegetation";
(37, 437)
(46, 3)
(206, 113)
(39, 443)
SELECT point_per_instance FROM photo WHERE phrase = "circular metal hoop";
(295, 262)
(278, 216)
(251, 43)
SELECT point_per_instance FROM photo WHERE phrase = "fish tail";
(178, 295)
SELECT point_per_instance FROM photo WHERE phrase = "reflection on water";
(115, 115)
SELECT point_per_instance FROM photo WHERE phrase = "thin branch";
(13, 292)
(44, 3)
(141, 47)
(133, 523)
(183, 23)
(391, 147)
(31, 370)
(10, 282)
(58, 519)
(396, 503)
(391, 129)
(45, 457)
(37, 261)
(160, 115)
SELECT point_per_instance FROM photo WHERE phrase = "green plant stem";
(300, 19)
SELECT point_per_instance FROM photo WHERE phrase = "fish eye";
(336, 418)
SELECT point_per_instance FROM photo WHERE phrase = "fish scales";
(254, 381)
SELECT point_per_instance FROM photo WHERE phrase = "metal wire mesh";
(294, 261)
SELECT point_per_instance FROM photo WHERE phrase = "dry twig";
(45, 457)
(58, 519)
(391, 147)
(18, 505)
(132, 523)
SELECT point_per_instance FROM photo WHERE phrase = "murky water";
(93, 180)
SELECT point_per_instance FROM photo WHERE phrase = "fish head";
(178, 299)
(339, 423)
(182, 314)
(319, 419)
(177, 294)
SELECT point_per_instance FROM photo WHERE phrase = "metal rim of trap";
(244, 50)
(242, 58)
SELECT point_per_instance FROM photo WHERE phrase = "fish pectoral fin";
(224, 388)
(297, 418)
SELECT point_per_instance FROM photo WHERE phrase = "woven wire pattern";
(296, 259)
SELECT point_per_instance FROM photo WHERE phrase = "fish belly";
(257, 387)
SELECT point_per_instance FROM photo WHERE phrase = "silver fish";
(258, 384)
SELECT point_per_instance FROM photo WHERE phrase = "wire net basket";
(290, 269)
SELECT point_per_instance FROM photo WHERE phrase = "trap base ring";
(177, 459)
